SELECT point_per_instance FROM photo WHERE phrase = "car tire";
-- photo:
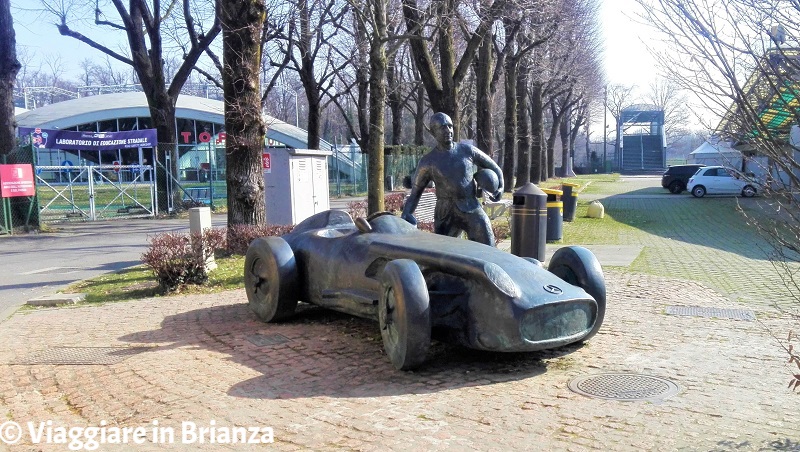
(270, 279)
(404, 314)
(676, 188)
(748, 191)
(699, 191)
(579, 267)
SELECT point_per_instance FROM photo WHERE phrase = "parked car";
(676, 177)
(419, 285)
(718, 180)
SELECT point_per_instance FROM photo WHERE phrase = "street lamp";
(605, 125)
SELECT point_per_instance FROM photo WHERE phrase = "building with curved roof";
(199, 122)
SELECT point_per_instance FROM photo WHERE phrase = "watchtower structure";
(643, 141)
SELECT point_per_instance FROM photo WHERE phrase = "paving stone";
(343, 392)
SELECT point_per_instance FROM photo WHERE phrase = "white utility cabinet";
(295, 184)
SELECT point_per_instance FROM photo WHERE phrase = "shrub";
(501, 230)
(357, 209)
(426, 226)
(241, 235)
(394, 202)
(179, 259)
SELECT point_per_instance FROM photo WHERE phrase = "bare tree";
(242, 22)
(436, 23)
(618, 97)
(669, 97)
(9, 66)
(306, 41)
(740, 57)
(145, 26)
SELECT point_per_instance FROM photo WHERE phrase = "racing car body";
(418, 285)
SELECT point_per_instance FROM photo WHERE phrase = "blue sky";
(626, 58)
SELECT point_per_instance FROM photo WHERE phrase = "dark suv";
(676, 177)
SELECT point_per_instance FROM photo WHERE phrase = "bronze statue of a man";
(450, 166)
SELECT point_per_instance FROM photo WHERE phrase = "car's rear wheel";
(676, 187)
(579, 267)
(404, 314)
(699, 191)
(270, 279)
(748, 191)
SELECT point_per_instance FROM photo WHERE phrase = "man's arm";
(421, 181)
(484, 161)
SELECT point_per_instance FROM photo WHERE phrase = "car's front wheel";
(699, 191)
(404, 314)
(579, 267)
(748, 191)
(676, 187)
(270, 279)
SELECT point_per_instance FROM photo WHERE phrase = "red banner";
(16, 180)
(266, 162)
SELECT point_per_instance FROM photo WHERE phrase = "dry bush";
(180, 259)
(394, 202)
(241, 235)
(357, 209)
(501, 230)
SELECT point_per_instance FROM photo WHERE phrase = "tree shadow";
(319, 352)
(713, 221)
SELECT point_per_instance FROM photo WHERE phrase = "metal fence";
(348, 168)
(18, 212)
(95, 190)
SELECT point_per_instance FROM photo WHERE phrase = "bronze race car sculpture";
(419, 285)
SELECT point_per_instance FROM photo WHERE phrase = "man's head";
(441, 126)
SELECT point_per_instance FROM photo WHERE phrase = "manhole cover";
(69, 356)
(263, 340)
(719, 313)
(625, 387)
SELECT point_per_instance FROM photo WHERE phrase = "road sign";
(266, 162)
(16, 180)
(116, 165)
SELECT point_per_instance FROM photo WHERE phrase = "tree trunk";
(510, 142)
(362, 82)
(306, 72)
(563, 131)
(537, 132)
(523, 129)
(377, 107)
(9, 66)
(242, 23)
(551, 142)
(314, 118)
(483, 97)
(419, 120)
(395, 103)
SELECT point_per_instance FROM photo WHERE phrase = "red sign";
(116, 165)
(16, 180)
(266, 162)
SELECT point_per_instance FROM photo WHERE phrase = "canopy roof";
(771, 98)
(71, 113)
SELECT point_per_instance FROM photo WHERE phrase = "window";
(127, 124)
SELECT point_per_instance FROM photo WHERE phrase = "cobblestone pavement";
(330, 386)
(322, 381)
(705, 240)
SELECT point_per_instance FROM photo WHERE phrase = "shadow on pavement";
(324, 353)
(714, 222)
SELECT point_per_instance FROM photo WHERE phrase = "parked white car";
(718, 180)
